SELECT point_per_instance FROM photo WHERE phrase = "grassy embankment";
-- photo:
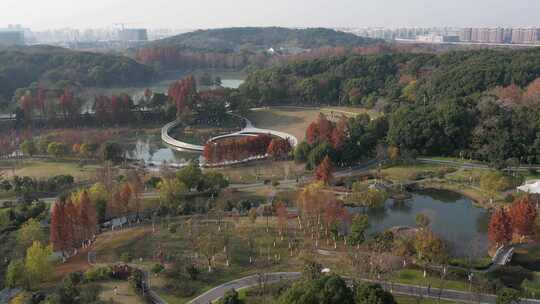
(465, 181)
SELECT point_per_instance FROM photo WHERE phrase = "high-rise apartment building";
(11, 37)
(133, 35)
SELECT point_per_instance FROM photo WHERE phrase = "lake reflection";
(152, 150)
(452, 216)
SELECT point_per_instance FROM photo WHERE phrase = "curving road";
(246, 282)
(395, 288)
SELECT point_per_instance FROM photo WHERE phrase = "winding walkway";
(395, 288)
(248, 130)
(246, 282)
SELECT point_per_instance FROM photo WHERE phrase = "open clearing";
(46, 169)
(295, 120)
(124, 295)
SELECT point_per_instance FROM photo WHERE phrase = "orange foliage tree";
(522, 215)
(279, 148)
(323, 172)
(532, 93)
(125, 197)
(500, 228)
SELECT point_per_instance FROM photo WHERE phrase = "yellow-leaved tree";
(37, 263)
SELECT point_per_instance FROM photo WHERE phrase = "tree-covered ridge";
(228, 40)
(22, 66)
(476, 104)
(408, 77)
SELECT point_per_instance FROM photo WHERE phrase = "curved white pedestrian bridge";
(248, 130)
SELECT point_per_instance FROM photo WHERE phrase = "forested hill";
(237, 48)
(477, 104)
(393, 77)
(22, 66)
(229, 40)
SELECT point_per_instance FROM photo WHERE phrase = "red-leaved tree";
(522, 215)
(279, 148)
(500, 228)
(323, 172)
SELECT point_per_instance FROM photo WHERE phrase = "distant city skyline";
(54, 14)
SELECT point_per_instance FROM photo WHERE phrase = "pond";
(229, 79)
(452, 216)
(150, 148)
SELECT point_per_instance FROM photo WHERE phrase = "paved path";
(395, 288)
(246, 282)
(248, 130)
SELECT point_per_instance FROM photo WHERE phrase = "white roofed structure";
(532, 186)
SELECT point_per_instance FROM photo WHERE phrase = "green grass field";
(49, 168)
(414, 300)
(403, 173)
(415, 277)
(253, 173)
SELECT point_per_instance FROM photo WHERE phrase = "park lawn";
(453, 159)
(532, 287)
(351, 111)
(402, 299)
(49, 168)
(290, 120)
(295, 120)
(262, 170)
(415, 277)
(479, 263)
(465, 175)
(125, 295)
(199, 134)
(142, 243)
(150, 203)
(110, 245)
(7, 195)
(403, 173)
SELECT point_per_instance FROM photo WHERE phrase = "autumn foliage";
(49, 103)
(236, 149)
(532, 93)
(10, 141)
(72, 223)
(113, 109)
(518, 220)
(500, 228)
(183, 94)
(279, 148)
(522, 215)
(323, 172)
(325, 130)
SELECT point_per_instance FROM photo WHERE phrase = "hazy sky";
(41, 14)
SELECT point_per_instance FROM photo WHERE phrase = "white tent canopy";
(532, 186)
